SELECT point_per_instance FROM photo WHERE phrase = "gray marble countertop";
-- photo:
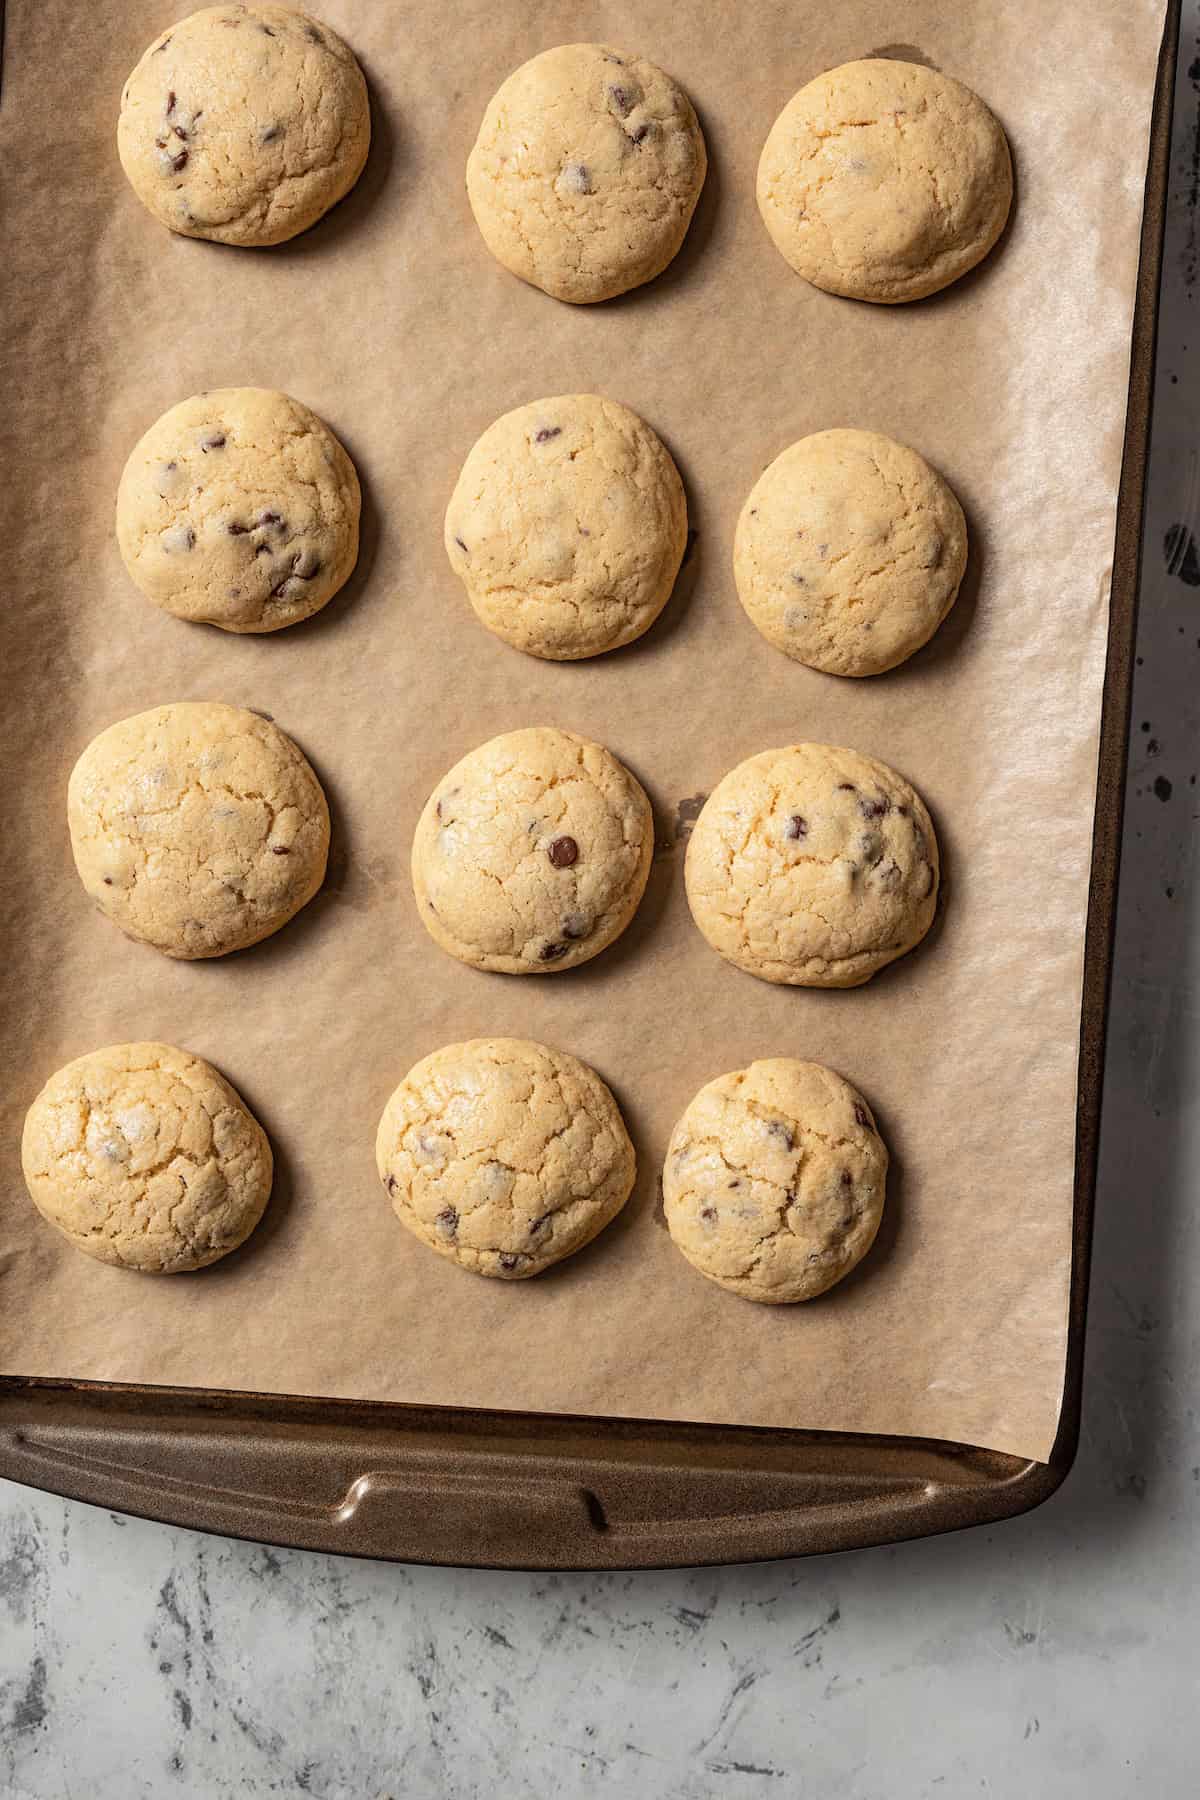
(1054, 1655)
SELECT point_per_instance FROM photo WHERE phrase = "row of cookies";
(201, 829)
(880, 180)
(567, 527)
(501, 1154)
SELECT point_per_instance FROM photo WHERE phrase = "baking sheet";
(391, 321)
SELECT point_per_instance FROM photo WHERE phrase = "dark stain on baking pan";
(1179, 549)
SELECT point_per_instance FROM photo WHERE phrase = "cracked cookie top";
(244, 124)
(239, 508)
(774, 1181)
(586, 171)
(812, 866)
(884, 181)
(532, 853)
(198, 828)
(144, 1156)
(567, 527)
(849, 552)
(504, 1155)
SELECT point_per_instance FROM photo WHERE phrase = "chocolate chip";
(735, 1184)
(846, 787)
(903, 811)
(862, 1117)
(236, 530)
(180, 537)
(797, 578)
(621, 99)
(642, 132)
(266, 30)
(890, 877)
(159, 48)
(796, 827)
(262, 550)
(306, 564)
(546, 433)
(215, 442)
(563, 853)
(508, 1261)
(539, 1224)
(177, 163)
(619, 60)
(708, 1212)
(270, 134)
(280, 850)
(180, 133)
(313, 35)
(391, 1184)
(847, 1178)
(783, 1132)
(170, 103)
(551, 952)
(108, 881)
(267, 518)
(575, 925)
(874, 809)
(447, 1221)
(462, 546)
(577, 178)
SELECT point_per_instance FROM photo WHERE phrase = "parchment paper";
(392, 321)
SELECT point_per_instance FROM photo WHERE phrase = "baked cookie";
(567, 527)
(198, 828)
(239, 508)
(849, 552)
(504, 1155)
(244, 124)
(884, 181)
(812, 866)
(532, 853)
(143, 1155)
(586, 172)
(774, 1181)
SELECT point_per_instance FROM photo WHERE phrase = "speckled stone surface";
(1055, 1655)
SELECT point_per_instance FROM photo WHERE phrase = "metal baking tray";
(525, 1490)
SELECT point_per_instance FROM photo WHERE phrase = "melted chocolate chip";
(874, 809)
(640, 134)
(902, 810)
(108, 881)
(546, 433)
(447, 1221)
(391, 1184)
(796, 827)
(735, 1184)
(180, 133)
(575, 926)
(708, 1212)
(177, 163)
(280, 850)
(170, 103)
(846, 787)
(551, 952)
(563, 853)
(313, 35)
(539, 1224)
(783, 1132)
(462, 546)
(267, 518)
(266, 31)
(215, 442)
(306, 564)
(508, 1261)
(621, 98)
(236, 530)
(262, 550)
